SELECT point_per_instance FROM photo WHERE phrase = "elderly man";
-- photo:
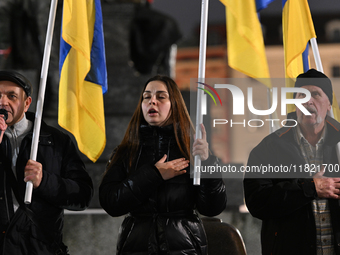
(300, 209)
(59, 177)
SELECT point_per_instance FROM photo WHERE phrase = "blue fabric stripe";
(283, 3)
(305, 59)
(98, 73)
(64, 50)
(261, 4)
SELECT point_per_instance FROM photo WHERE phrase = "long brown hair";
(179, 117)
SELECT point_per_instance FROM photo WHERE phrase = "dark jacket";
(65, 185)
(284, 204)
(161, 216)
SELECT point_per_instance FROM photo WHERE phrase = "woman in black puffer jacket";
(147, 178)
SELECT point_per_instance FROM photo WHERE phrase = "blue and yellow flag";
(298, 29)
(83, 77)
(246, 52)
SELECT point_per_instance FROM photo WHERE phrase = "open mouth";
(151, 111)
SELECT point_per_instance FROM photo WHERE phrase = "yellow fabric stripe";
(246, 51)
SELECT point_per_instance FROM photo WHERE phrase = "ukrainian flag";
(83, 77)
(246, 52)
(298, 29)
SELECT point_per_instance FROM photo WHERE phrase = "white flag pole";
(201, 77)
(320, 69)
(269, 100)
(316, 54)
(274, 126)
(41, 94)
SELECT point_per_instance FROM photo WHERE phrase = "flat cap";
(18, 79)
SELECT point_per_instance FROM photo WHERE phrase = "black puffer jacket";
(65, 185)
(162, 218)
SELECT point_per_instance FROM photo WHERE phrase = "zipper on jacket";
(156, 139)
(168, 153)
(7, 144)
(6, 200)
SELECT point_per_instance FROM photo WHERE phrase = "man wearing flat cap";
(58, 176)
(299, 208)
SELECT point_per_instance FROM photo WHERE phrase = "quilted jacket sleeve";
(211, 196)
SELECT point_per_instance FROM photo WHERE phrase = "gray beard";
(318, 118)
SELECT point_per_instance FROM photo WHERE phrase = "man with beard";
(300, 208)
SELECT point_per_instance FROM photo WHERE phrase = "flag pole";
(319, 67)
(201, 77)
(269, 100)
(273, 127)
(316, 54)
(41, 94)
